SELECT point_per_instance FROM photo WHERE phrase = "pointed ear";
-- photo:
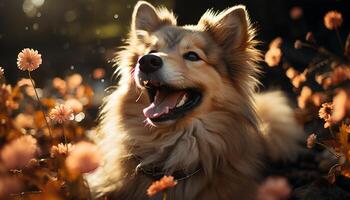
(230, 28)
(146, 18)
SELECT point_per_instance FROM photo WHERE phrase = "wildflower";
(28, 59)
(9, 185)
(24, 121)
(76, 105)
(333, 20)
(24, 82)
(325, 113)
(61, 149)
(74, 81)
(311, 140)
(273, 57)
(83, 158)
(299, 79)
(305, 94)
(296, 12)
(98, 73)
(298, 44)
(276, 43)
(61, 113)
(162, 184)
(60, 85)
(1, 72)
(19, 152)
(310, 37)
(340, 74)
(340, 101)
(274, 188)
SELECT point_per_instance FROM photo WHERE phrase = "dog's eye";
(152, 51)
(191, 56)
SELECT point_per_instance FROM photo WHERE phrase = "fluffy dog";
(186, 106)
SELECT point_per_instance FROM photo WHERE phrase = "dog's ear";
(229, 28)
(147, 18)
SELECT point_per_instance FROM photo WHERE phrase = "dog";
(186, 105)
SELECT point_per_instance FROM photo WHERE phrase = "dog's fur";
(227, 135)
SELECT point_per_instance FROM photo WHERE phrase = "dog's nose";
(150, 63)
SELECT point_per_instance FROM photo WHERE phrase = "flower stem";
(41, 108)
(65, 138)
(164, 196)
(339, 39)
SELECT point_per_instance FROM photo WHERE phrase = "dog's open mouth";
(168, 103)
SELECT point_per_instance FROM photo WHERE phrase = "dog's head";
(189, 71)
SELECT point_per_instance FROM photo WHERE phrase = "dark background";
(81, 35)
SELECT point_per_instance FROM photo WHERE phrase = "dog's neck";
(220, 137)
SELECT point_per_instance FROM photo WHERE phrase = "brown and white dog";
(186, 106)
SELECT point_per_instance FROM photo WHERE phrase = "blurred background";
(82, 35)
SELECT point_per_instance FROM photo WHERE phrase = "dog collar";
(156, 173)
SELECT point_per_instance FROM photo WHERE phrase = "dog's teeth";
(182, 101)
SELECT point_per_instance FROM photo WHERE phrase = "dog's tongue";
(164, 101)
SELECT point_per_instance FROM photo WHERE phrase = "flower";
(333, 20)
(311, 140)
(325, 113)
(24, 82)
(274, 188)
(1, 72)
(19, 152)
(310, 37)
(28, 59)
(305, 94)
(298, 44)
(276, 43)
(273, 57)
(296, 12)
(61, 113)
(24, 121)
(83, 158)
(340, 74)
(340, 101)
(9, 185)
(76, 105)
(162, 184)
(61, 149)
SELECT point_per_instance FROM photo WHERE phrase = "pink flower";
(83, 158)
(19, 152)
(311, 140)
(28, 59)
(274, 188)
(1, 72)
(61, 113)
(61, 149)
(76, 105)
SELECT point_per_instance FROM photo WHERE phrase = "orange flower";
(61, 149)
(61, 113)
(340, 74)
(273, 57)
(305, 94)
(325, 113)
(333, 20)
(276, 43)
(84, 158)
(311, 140)
(1, 72)
(340, 101)
(28, 59)
(162, 184)
(19, 152)
(274, 188)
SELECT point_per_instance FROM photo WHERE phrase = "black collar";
(156, 173)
